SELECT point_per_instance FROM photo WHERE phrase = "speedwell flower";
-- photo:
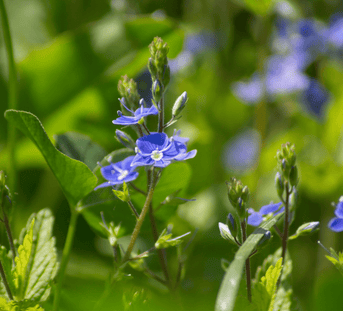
(137, 115)
(117, 173)
(336, 224)
(158, 150)
(256, 218)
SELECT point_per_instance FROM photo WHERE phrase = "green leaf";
(20, 272)
(6, 260)
(336, 259)
(80, 147)
(75, 178)
(265, 291)
(260, 7)
(165, 241)
(43, 260)
(230, 285)
(18, 306)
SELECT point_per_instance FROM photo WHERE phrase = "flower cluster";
(154, 149)
(256, 218)
(296, 44)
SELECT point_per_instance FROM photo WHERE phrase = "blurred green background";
(70, 56)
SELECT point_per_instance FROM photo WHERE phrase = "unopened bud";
(225, 233)
(245, 194)
(152, 69)
(179, 104)
(2, 179)
(232, 225)
(265, 239)
(293, 199)
(279, 184)
(157, 91)
(293, 176)
(166, 76)
(125, 139)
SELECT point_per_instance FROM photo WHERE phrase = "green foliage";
(165, 240)
(80, 147)
(264, 292)
(6, 260)
(75, 178)
(336, 259)
(122, 195)
(18, 306)
(36, 264)
(230, 285)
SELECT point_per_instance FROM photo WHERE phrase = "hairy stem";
(247, 262)
(8, 228)
(139, 223)
(133, 209)
(12, 94)
(4, 280)
(161, 252)
(161, 113)
(65, 258)
(286, 225)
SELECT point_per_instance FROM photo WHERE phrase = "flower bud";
(179, 104)
(293, 199)
(157, 91)
(152, 69)
(279, 184)
(245, 194)
(2, 179)
(125, 139)
(293, 176)
(232, 225)
(265, 239)
(225, 233)
(166, 76)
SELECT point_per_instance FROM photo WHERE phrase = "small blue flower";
(315, 97)
(117, 173)
(335, 31)
(158, 150)
(251, 91)
(256, 218)
(336, 224)
(137, 115)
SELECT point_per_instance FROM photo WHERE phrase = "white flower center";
(123, 174)
(156, 155)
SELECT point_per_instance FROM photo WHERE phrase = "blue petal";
(107, 184)
(143, 112)
(339, 210)
(147, 144)
(140, 160)
(271, 208)
(336, 224)
(162, 163)
(255, 219)
(125, 120)
(109, 173)
(250, 92)
(126, 163)
(186, 155)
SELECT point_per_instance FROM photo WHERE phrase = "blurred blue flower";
(117, 173)
(137, 115)
(284, 75)
(255, 218)
(315, 97)
(158, 150)
(241, 153)
(336, 224)
(335, 31)
(251, 91)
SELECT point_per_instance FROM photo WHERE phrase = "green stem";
(140, 221)
(12, 94)
(247, 262)
(65, 258)
(161, 113)
(4, 280)
(134, 211)
(286, 225)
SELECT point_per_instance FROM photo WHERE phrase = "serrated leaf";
(6, 260)
(18, 306)
(42, 266)
(336, 259)
(265, 291)
(74, 177)
(230, 285)
(20, 272)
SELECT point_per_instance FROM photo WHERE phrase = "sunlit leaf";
(75, 178)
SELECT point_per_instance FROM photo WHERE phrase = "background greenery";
(70, 55)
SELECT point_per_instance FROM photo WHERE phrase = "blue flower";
(117, 173)
(315, 97)
(158, 150)
(336, 224)
(255, 218)
(335, 31)
(137, 115)
(250, 91)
